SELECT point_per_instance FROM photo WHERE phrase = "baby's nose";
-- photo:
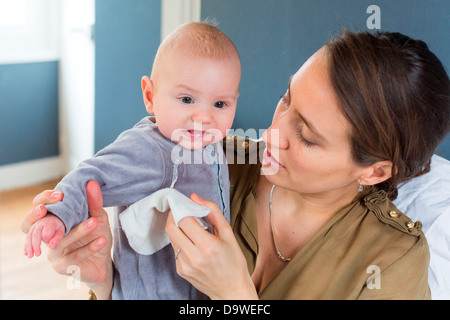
(202, 115)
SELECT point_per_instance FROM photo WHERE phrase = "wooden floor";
(22, 278)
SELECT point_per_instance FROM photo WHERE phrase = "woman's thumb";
(94, 199)
(215, 217)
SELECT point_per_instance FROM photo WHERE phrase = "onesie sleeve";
(127, 170)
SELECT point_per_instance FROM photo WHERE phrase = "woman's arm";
(213, 263)
(87, 246)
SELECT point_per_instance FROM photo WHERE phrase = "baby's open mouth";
(195, 134)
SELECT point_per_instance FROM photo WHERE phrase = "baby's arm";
(127, 170)
(50, 229)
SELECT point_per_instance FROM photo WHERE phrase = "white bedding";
(427, 199)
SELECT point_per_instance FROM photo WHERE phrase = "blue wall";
(28, 111)
(127, 36)
(275, 37)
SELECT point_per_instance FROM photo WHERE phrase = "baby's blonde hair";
(197, 39)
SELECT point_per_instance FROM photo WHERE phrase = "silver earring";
(360, 188)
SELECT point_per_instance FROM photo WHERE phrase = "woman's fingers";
(34, 215)
(77, 256)
(76, 238)
(39, 210)
(213, 263)
(80, 236)
(95, 199)
(216, 218)
(190, 229)
(47, 197)
(177, 237)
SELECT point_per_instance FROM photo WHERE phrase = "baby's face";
(195, 99)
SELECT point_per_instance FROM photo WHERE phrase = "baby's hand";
(49, 229)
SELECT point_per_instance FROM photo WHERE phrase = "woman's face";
(308, 144)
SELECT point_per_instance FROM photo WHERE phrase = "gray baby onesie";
(136, 165)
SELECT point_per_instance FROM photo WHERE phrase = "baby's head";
(194, 85)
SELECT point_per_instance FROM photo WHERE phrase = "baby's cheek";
(215, 135)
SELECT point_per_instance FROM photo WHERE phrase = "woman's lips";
(269, 160)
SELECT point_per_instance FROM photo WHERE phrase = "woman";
(363, 114)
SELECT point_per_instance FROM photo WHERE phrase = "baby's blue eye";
(186, 100)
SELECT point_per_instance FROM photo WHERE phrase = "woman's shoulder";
(374, 233)
(397, 247)
(378, 203)
(379, 232)
(399, 237)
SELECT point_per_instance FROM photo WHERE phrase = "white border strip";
(177, 12)
(24, 174)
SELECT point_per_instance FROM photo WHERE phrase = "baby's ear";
(147, 93)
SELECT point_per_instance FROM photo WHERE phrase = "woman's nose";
(275, 136)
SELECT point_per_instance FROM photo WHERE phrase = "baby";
(192, 93)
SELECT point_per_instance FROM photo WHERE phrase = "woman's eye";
(284, 100)
(306, 142)
(219, 104)
(186, 100)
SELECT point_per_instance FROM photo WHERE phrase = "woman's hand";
(87, 246)
(213, 263)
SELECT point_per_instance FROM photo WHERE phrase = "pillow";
(427, 199)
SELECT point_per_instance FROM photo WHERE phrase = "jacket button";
(393, 214)
(410, 225)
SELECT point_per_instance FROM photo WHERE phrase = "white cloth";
(427, 199)
(144, 221)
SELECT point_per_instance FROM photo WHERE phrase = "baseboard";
(29, 173)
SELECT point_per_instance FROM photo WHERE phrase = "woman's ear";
(148, 93)
(377, 173)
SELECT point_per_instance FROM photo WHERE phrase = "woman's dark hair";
(395, 93)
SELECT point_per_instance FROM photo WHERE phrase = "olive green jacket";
(368, 250)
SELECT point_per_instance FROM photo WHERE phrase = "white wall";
(66, 24)
(177, 12)
(28, 30)
(77, 82)
(29, 33)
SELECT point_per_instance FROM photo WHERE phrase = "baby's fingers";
(36, 239)
(33, 242)
(28, 250)
(48, 232)
(56, 239)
